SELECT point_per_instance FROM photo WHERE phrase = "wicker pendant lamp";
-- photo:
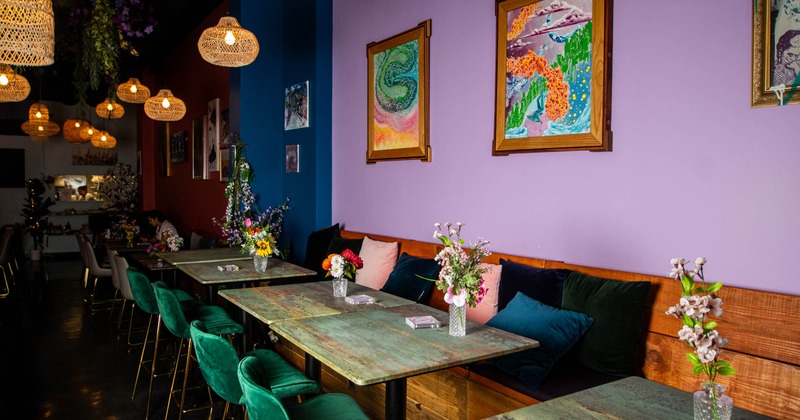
(87, 132)
(165, 107)
(40, 130)
(13, 87)
(72, 130)
(133, 91)
(110, 109)
(38, 112)
(26, 32)
(103, 140)
(228, 44)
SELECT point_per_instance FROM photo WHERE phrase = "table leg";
(210, 293)
(313, 368)
(395, 399)
(248, 332)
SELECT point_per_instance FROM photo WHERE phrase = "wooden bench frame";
(763, 329)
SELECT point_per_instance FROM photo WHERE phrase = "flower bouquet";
(259, 243)
(156, 247)
(697, 302)
(461, 274)
(342, 267)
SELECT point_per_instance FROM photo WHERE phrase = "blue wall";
(293, 50)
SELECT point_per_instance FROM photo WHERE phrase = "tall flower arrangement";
(699, 331)
(460, 275)
(118, 189)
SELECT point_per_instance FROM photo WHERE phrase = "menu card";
(359, 300)
(229, 267)
(425, 321)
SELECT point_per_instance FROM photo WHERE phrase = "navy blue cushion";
(405, 281)
(317, 248)
(557, 331)
(338, 245)
(542, 284)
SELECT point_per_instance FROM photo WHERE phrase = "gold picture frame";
(544, 101)
(398, 120)
(769, 70)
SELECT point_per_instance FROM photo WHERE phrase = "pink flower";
(247, 223)
(459, 300)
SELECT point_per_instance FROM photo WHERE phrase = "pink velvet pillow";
(485, 310)
(379, 258)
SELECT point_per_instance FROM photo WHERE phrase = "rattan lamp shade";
(110, 109)
(228, 44)
(87, 132)
(165, 107)
(26, 32)
(133, 91)
(13, 87)
(40, 130)
(103, 140)
(72, 131)
(38, 112)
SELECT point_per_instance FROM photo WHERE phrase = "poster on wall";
(295, 112)
(177, 146)
(199, 164)
(213, 135)
(397, 96)
(292, 158)
(776, 53)
(94, 156)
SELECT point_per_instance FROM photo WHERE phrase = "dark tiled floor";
(60, 361)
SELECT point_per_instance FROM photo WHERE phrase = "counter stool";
(216, 320)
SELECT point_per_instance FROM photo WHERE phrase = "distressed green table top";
(292, 301)
(629, 398)
(208, 273)
(369, 347)
(195, 256)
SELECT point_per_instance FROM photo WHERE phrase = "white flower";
(337, 261)
(337, 271)
(687, 334)
(706, 354)
(438, 225)
(699, 262)
(716, 306)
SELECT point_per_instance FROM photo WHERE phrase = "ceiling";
(175, 20)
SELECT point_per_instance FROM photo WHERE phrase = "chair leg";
(113, 304)
(185, 377)
(153, 368)
(5, 282)
(141, 359)
(174, 377)
(130, 325)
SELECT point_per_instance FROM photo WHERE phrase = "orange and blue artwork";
(548, 69)
(396, 97)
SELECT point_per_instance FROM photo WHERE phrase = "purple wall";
(694, 172)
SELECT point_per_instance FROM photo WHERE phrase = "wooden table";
(122, 248)
(155, 265)
(209, 275)
(195, 256)
(629, 398)
(369, 347)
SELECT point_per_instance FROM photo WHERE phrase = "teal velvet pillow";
(618, 307)
(405, 281)
(556, 330)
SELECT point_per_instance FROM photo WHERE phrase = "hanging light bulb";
(27, 32)
(165, 107)
(87, 132)
(228, 44)
(40, 130)
(133, 91)
(38, 112)
(109, 109)
(103, 140)
(13, 87)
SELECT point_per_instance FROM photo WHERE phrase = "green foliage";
(517, 114)
(100, 56)
(35, 211)
(576, 50)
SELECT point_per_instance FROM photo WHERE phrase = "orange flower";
(558, 92)
(519, 22)
(326, 265)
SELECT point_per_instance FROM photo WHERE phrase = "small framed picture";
(213, 135)
(292, 158)
(295, 113)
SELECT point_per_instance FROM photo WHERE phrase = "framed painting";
(212, 138)
(177, 146)
(553, 76)
(199, 168)
(295, 112)
(397, 96)
(292, 158)
(93, 156)
(776, 53)
(225, 164)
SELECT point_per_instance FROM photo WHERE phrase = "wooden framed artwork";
(397, 96)
(553, 76)
(178, 144)
(199, 167)
(295, 111)
(776, 52)
(212, 137)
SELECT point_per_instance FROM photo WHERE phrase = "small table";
(209, 275)
(195, 256)
(629, 398)
(155, 265)
(294, 301)
(122, 248)
(369, 347)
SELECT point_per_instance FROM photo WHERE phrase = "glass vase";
(458, 320)
(711, 404)
(339, 287)
(260, 263)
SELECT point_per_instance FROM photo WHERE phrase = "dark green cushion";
(338, 245)
(557, 331)
(618, 308)
(328, 407)
(317, 248)
(542, 284)
(405, 281)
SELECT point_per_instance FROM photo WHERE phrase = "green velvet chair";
(216, 320)
(145, 299)
(219, 363)
(262, 404)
